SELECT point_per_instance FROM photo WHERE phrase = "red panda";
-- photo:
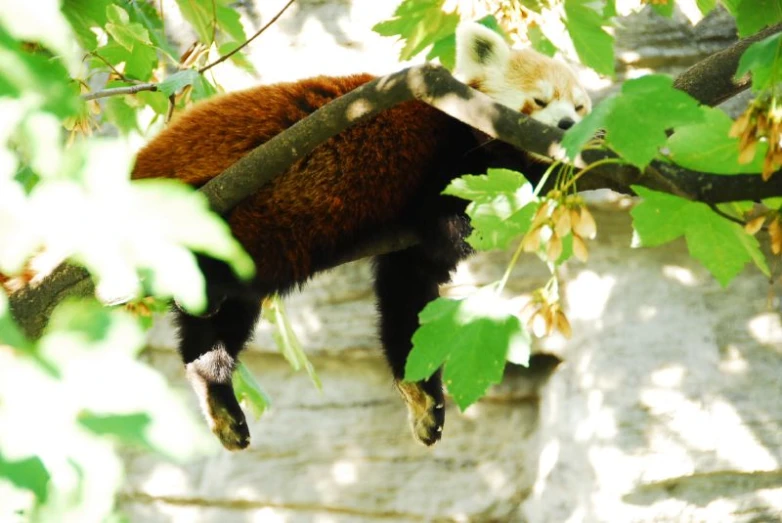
(384, 173)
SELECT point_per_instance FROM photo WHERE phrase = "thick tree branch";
(711, 81)
(435, 86)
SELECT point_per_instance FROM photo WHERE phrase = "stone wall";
(665, 406)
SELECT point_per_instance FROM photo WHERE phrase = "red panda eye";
(540, 102)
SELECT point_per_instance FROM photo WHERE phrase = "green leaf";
(444, 50)
(203, 89)
(177, 81)
(754, 15)
(129, 429)
(200, 14)
(636, 119)
(228, 20)
(287, 341)
(239, 58)
(706, 6)
(539, 41)
(10, 334)
(146, 14)
(665, 9)
(501, 208)
(248, 390)
(28, 474)
(43, 22)
(721, 245)
(139, 64)
(707, 147)
(761, 59)
(84, 16)
(155, 99)
(28, 73)
(420, 23)
(121, 114)
(126, 34)
(471, 337)
(595, 47)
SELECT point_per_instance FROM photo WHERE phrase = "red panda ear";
(480, 52)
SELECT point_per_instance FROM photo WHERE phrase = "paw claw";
(425, 414)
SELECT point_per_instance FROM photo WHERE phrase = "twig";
(253, 37)
(116, 91)
(114, 69)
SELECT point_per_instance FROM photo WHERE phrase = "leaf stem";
(511, 264)
(588, 168)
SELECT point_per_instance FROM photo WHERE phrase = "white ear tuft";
(480, 52)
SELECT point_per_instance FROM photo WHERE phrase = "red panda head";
(522, 79)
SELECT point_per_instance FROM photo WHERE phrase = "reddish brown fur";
(323, 198)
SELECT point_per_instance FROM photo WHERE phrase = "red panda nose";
(566, 123)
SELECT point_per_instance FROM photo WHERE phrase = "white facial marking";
(556, 111)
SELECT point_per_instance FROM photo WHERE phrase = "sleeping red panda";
(382, 174)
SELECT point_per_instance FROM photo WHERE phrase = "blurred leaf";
(754, 15)
(146, 14)
(706, 146)
(420, 23)
(539, 41)
(761, 59)
(595, 47)
(287, 341)
(228, 20)
(155, 99)
(240, 59)
(10, 334)
(121, 114)
(471, 337)
(129, 429)
(248, 390)
(84, 15)
(127, 34)
(138, 64)
(28, 73)
(29, 474)
(665, 9)
(41, 21)
(202, 89)
(706, 6)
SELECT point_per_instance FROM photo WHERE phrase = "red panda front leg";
(209, 346)
(405, 282)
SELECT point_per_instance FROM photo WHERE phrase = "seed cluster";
(762, 121)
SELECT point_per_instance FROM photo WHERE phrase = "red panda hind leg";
(209, 346)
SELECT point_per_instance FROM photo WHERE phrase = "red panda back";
(346, 189)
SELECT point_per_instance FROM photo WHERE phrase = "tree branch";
(711, 81)
(116, 91)
(433, 85)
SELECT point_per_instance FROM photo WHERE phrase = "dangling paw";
(425, 408)
(225, 417)
(210, 378)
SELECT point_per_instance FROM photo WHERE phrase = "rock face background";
(665, 406)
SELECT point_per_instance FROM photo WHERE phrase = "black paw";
(225, 417)
(211, 382)
(425, 408)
